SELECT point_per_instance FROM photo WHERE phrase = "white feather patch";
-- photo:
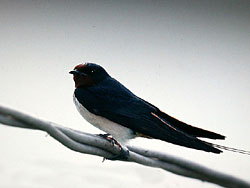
(120, 133)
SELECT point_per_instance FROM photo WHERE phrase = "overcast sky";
(189, 58)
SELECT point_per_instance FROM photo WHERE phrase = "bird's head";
(88, 74)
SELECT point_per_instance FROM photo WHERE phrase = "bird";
(108, 105)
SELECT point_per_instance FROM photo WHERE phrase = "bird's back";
(112, 100)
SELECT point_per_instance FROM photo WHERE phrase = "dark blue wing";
(112, 100)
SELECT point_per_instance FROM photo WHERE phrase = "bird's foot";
(124, 153)
(103, 135)
(122, 156)
(110, 139)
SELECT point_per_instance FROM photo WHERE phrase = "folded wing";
(126, 109)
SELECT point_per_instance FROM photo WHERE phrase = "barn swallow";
(110, 106)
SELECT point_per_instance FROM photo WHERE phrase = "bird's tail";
(188, 129)
(228, 148)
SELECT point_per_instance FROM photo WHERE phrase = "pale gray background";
(190, 58)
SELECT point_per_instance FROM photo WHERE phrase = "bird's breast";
(120, 133)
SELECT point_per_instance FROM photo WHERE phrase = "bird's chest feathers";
(120, 133)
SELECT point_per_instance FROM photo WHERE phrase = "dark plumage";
(103, 96)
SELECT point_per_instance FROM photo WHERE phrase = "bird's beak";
(77, 72)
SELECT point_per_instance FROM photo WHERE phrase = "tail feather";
(195, 132)
(231, 149)
(191, 130)
(181, 138)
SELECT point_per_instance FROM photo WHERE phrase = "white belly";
(120, 133)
